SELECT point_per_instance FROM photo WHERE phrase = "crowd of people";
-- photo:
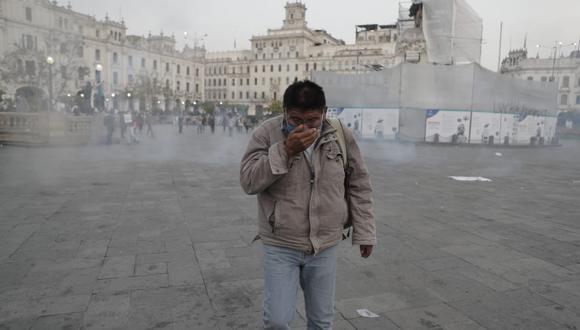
(230, 122)
(131, 124)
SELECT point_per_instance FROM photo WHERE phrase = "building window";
(263, 68)
(296, 67)
(233, 82)
(143, 63)
(154, 64)
(178, 85)
(115, 78)
(187, 87)
(29, 14)
(178, 69)
(256, 68)
(307, 66)
(30, 68)
(279, 67)
(275, 96)
(130, 61)
(248, 82)
(115, 58)
(263, 95)
(81, 73)
(233, 95)
(97, 54)
(530, 78)
(166, 67)
(187, 71)
(314, 67)
(255, 81)
(98, 34)
(564, 99)
(247, 95)
(566, 82)
(578, 99)
(241, 95)
(271, 68)
(197, 72)
(255, 95)
(248, 69)
(197, 88)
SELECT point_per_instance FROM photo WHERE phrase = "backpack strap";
(337, 124)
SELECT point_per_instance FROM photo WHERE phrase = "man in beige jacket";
(294, 164)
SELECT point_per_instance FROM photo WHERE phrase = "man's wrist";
(289, 152)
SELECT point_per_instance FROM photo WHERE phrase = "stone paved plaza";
(158, 236)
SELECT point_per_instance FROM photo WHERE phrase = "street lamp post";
(99, 95)
(50, 62)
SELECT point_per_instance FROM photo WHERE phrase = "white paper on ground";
(470, 178)
(366, 313)
(499, 154)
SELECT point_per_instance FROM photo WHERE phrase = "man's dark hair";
(304, 95)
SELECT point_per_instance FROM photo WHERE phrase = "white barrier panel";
(382, 124)
(350, 117)
(485, 128)
(447, 125)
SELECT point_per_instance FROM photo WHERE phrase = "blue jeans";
(284, 268)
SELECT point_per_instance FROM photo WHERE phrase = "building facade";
(125, 71)
(98, 62)
(564, 70)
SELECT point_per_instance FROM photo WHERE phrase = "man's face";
(310, 118)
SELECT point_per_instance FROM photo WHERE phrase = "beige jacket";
(302, 206)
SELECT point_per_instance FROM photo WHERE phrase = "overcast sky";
(224, 21)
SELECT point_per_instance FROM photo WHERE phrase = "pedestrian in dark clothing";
(140, 122)
(109, 122)
(180, 122)
(212, 123)
(122, 124)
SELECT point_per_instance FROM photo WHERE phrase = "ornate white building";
(144, 72)
(124, 70)
(565, 70)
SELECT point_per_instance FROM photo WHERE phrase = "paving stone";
(429, 317)
(150, 269)
(107, 312)
(120, 266)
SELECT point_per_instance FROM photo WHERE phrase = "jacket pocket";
(334, 163)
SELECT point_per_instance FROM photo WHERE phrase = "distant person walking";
(109, 122)
(148, 122)
(211, 122)
(180, 122)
